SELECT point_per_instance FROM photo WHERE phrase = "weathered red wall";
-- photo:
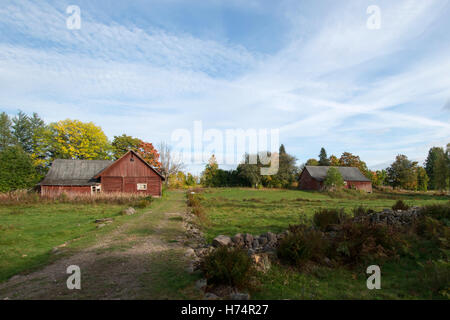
(307, 182)
(360, 185)
(124, 175)
(51, 191)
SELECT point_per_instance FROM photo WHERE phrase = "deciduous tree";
(73, 139)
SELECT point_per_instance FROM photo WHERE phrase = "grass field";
(28, 233)
(233, 210)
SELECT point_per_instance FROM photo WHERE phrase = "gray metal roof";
(348, 173)
(74, 172)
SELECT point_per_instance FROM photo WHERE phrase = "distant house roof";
(348, 173)
(74, 172)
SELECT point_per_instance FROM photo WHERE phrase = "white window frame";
(141, 187)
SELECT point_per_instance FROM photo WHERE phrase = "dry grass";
(27, 197)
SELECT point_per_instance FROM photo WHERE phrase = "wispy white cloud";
(335, 83)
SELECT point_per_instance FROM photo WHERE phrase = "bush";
(324, 218)
(433, 229)
(333, 179)
(361, 211)
(440, 212)
(228, 266)
(400, 205)
(363, 241)
(144, 203)
(303, 245)
(436, 277)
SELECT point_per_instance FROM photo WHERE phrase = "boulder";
(129, 211)
(221, 241)
(248, 239)
(261, 261)
(262, 240)
(255, 243)
(272, 237)
(238, 239)
(239, 296)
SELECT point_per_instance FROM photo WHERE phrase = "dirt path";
(142, 259)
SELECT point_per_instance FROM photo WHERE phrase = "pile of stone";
(391, 217)
(265, 242)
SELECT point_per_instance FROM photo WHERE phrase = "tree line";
(401, 174)
(28, 145)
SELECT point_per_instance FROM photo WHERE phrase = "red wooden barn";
(130, 174)
(312, 178)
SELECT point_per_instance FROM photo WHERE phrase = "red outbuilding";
(312, 178)
(129, 174)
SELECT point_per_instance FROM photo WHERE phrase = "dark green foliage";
(435, 276)
(434, 155)
(228, 266)
(363, 241)
(6, 136)
(325, 218)
(400, 205)
(16, 170)
(122, 144)
(144, 203)
(303, 244)
(403, 173)
(434, 230)
(323, 158)
(440, 212)
(361, 211)
(333, 179)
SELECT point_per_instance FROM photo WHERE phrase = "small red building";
(129, 174)
(312, 178)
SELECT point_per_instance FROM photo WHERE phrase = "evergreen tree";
(323, 158)
(6, 137)
(433, 154)
(440, 172)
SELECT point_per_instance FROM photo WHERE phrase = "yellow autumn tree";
(73, 139)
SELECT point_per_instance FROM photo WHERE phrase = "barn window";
(142, 186)
(96, 189)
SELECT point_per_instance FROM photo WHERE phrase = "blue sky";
(311, 69)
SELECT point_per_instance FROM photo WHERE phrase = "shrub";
(361, 211)
(194, 199)
(303, 245)
(440, 212)
(436, 277)
(228, 266)
(333, 179)
(144, 203)
(400, 205)
(362, 241)
(324, 218)
(434, 230)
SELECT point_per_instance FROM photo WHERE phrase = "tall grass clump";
(26, 197)
(305, 244)
(229, 267)
(325, 218)
(194, 201)
(400, 205)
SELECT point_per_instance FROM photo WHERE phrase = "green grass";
(233, 210)
(28, 233)
(239, 210)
